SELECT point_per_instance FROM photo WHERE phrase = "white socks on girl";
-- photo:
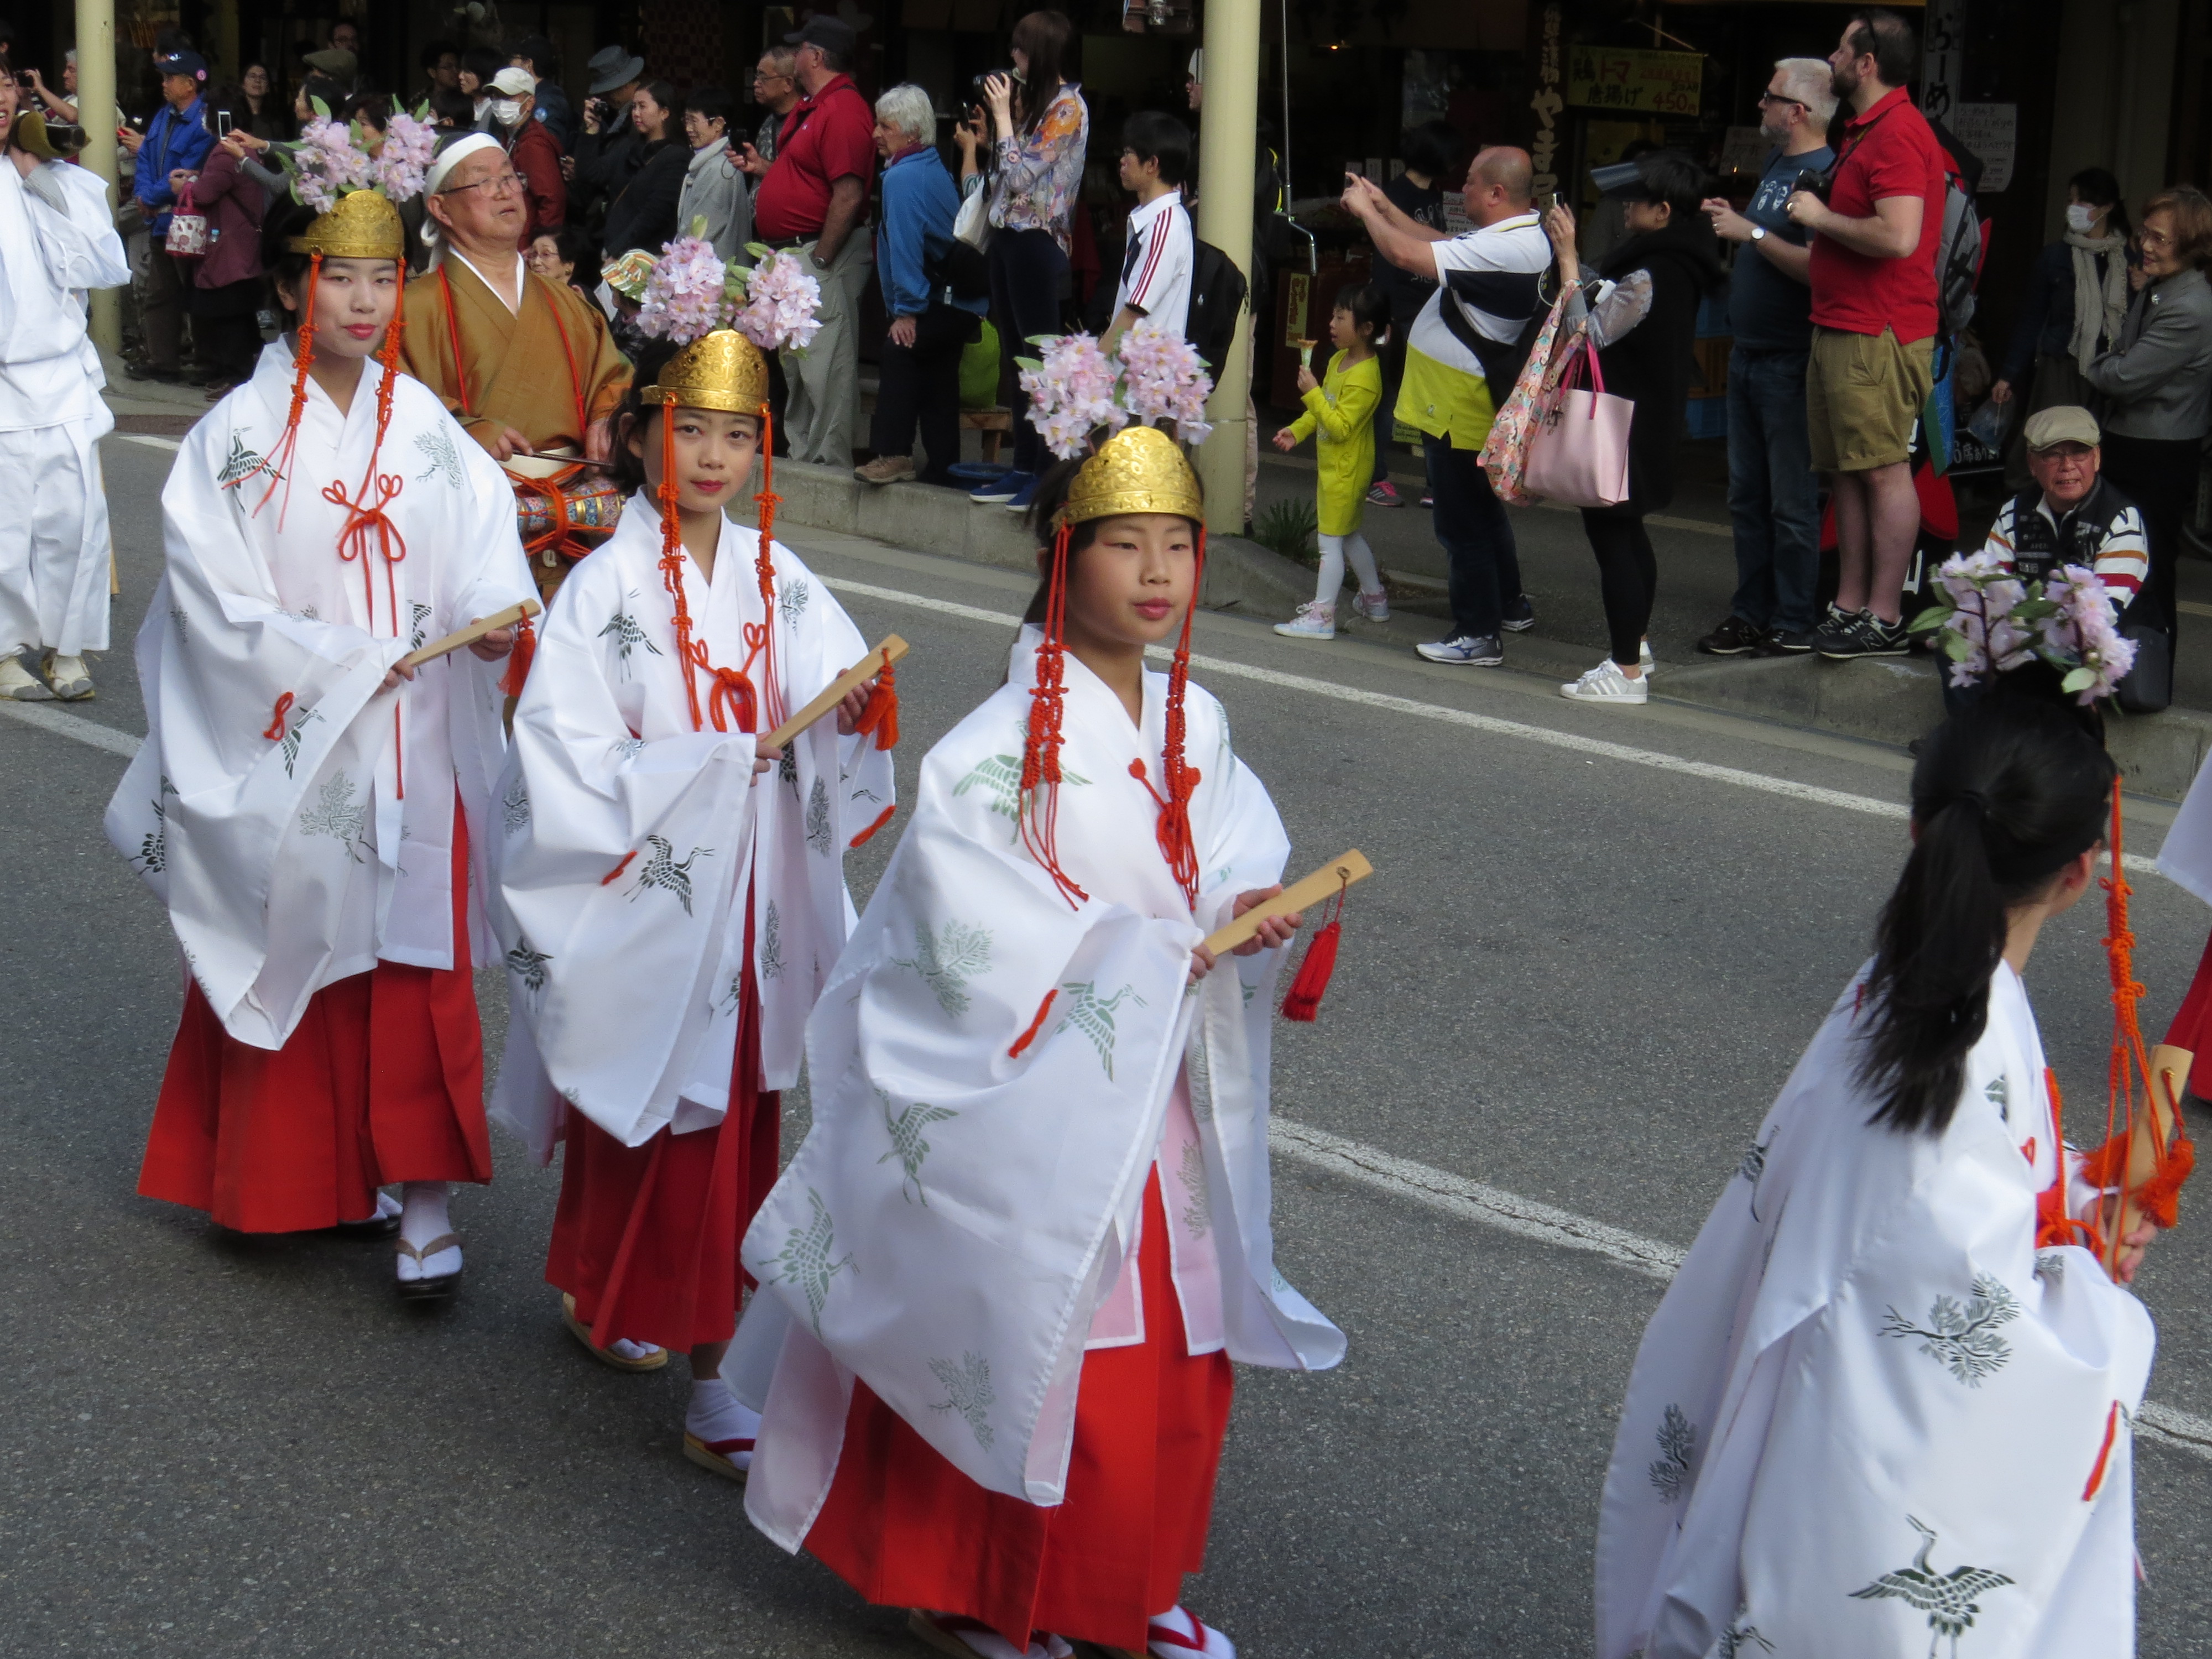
(423, 1222)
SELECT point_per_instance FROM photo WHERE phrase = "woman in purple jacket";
(227, 287)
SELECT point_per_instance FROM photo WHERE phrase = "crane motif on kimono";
(1093, 1016)
(1948, 1598)
(661, 870)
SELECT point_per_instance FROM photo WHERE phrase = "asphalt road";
(1576, 978)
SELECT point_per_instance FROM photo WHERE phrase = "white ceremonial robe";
(627, 990)
(1870, 1414)
(58, 241)
(290, 861)
(957, 1222)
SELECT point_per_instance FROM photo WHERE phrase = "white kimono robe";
(626, 987)
(1870, 1415)
(955, 1225)
(57, 240)
(294, 843)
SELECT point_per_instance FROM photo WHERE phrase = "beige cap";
(2068, 424)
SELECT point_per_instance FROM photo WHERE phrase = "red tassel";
(608, 878)
(519, 659)
(1029, 1036)
(881, 716)
(1302, 1002)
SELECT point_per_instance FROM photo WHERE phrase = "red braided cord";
(672, 561)
(1039, 805)
(303, 358)
(1173, 830)
(764, 567)
(284, 707)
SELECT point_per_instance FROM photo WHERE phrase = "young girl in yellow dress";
(1341, 409)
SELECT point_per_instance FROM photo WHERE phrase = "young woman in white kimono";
(1887, 1404)
(306, 807)
(1003, 1278)
(670, 915)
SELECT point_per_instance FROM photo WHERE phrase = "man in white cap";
(57, 240)
(532, 148)
(526, 365)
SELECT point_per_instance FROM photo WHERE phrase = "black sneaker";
(1520, 615)
(1733, 638)
(1863, 634)
(1785, 642)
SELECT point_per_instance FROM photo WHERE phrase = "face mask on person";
(506, 111)
(2079, 215)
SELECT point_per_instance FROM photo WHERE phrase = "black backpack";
(1218, 290)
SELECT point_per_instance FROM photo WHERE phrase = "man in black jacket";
(609, 150)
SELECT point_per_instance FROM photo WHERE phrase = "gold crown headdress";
(726, 315)
(1081, 401)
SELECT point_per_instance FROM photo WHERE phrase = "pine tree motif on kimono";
(335, 813)
(437, 449)
(946, 964)
(969, 1394)
(1678, 1443)
(1963, 1339)
(514, 806)
(817, 818)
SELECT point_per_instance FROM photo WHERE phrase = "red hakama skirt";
(646, 1237)
(904, 1528)
(2192, 1027)
(382, 1081)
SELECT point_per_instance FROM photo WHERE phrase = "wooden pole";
(852, 679)
(469, 636)
(1331, 877)
(96, 110)
(1228, 152)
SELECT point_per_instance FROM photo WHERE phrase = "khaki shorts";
(1862, 394)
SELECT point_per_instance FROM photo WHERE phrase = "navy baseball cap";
(183, 63)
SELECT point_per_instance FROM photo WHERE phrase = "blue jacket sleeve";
(906, 228)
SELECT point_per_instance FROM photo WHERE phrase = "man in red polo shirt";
(1875, 319)
(814, 197)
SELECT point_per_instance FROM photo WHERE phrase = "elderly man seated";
(526, 365)
(2068, 515)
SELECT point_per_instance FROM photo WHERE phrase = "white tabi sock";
(386, 1208)
(716, 1414)
(1203, 1638)
(423, 1219)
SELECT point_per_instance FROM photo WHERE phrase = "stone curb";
(1890, 700)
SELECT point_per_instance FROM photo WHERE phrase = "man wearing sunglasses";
(1773, 493)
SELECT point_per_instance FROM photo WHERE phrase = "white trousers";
(53, 538)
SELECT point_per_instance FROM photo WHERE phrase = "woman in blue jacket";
(920, 363)
(176, 142)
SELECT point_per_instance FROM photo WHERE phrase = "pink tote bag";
(1579, 451)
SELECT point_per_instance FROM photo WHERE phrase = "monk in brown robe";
(526, 365)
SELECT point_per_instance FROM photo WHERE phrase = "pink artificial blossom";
(683, 298)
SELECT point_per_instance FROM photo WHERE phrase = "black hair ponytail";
(2004, 796)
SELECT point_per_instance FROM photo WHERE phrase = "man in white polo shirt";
(1462, 356)
(1155, 263)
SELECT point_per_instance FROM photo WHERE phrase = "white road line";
(1471, 1200)
(1492, 1207)
(151, 442)
(1572, 742)
(74, 726)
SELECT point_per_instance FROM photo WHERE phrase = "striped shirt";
(1156, 265)
(2104, 531)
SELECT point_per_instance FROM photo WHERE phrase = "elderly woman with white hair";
(930, 324)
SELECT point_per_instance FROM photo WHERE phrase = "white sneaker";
(1314, 621)
(1644, 659)
(1375, 607)
(1606, 683)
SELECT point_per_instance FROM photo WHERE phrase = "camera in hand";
(1818, 184)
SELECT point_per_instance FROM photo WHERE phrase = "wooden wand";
(852, 679)
(469, 636)
(1331, 877)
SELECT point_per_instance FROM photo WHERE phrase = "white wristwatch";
(1758, 233)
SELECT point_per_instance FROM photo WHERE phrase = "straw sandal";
(607, 1356)
(425, 1289)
